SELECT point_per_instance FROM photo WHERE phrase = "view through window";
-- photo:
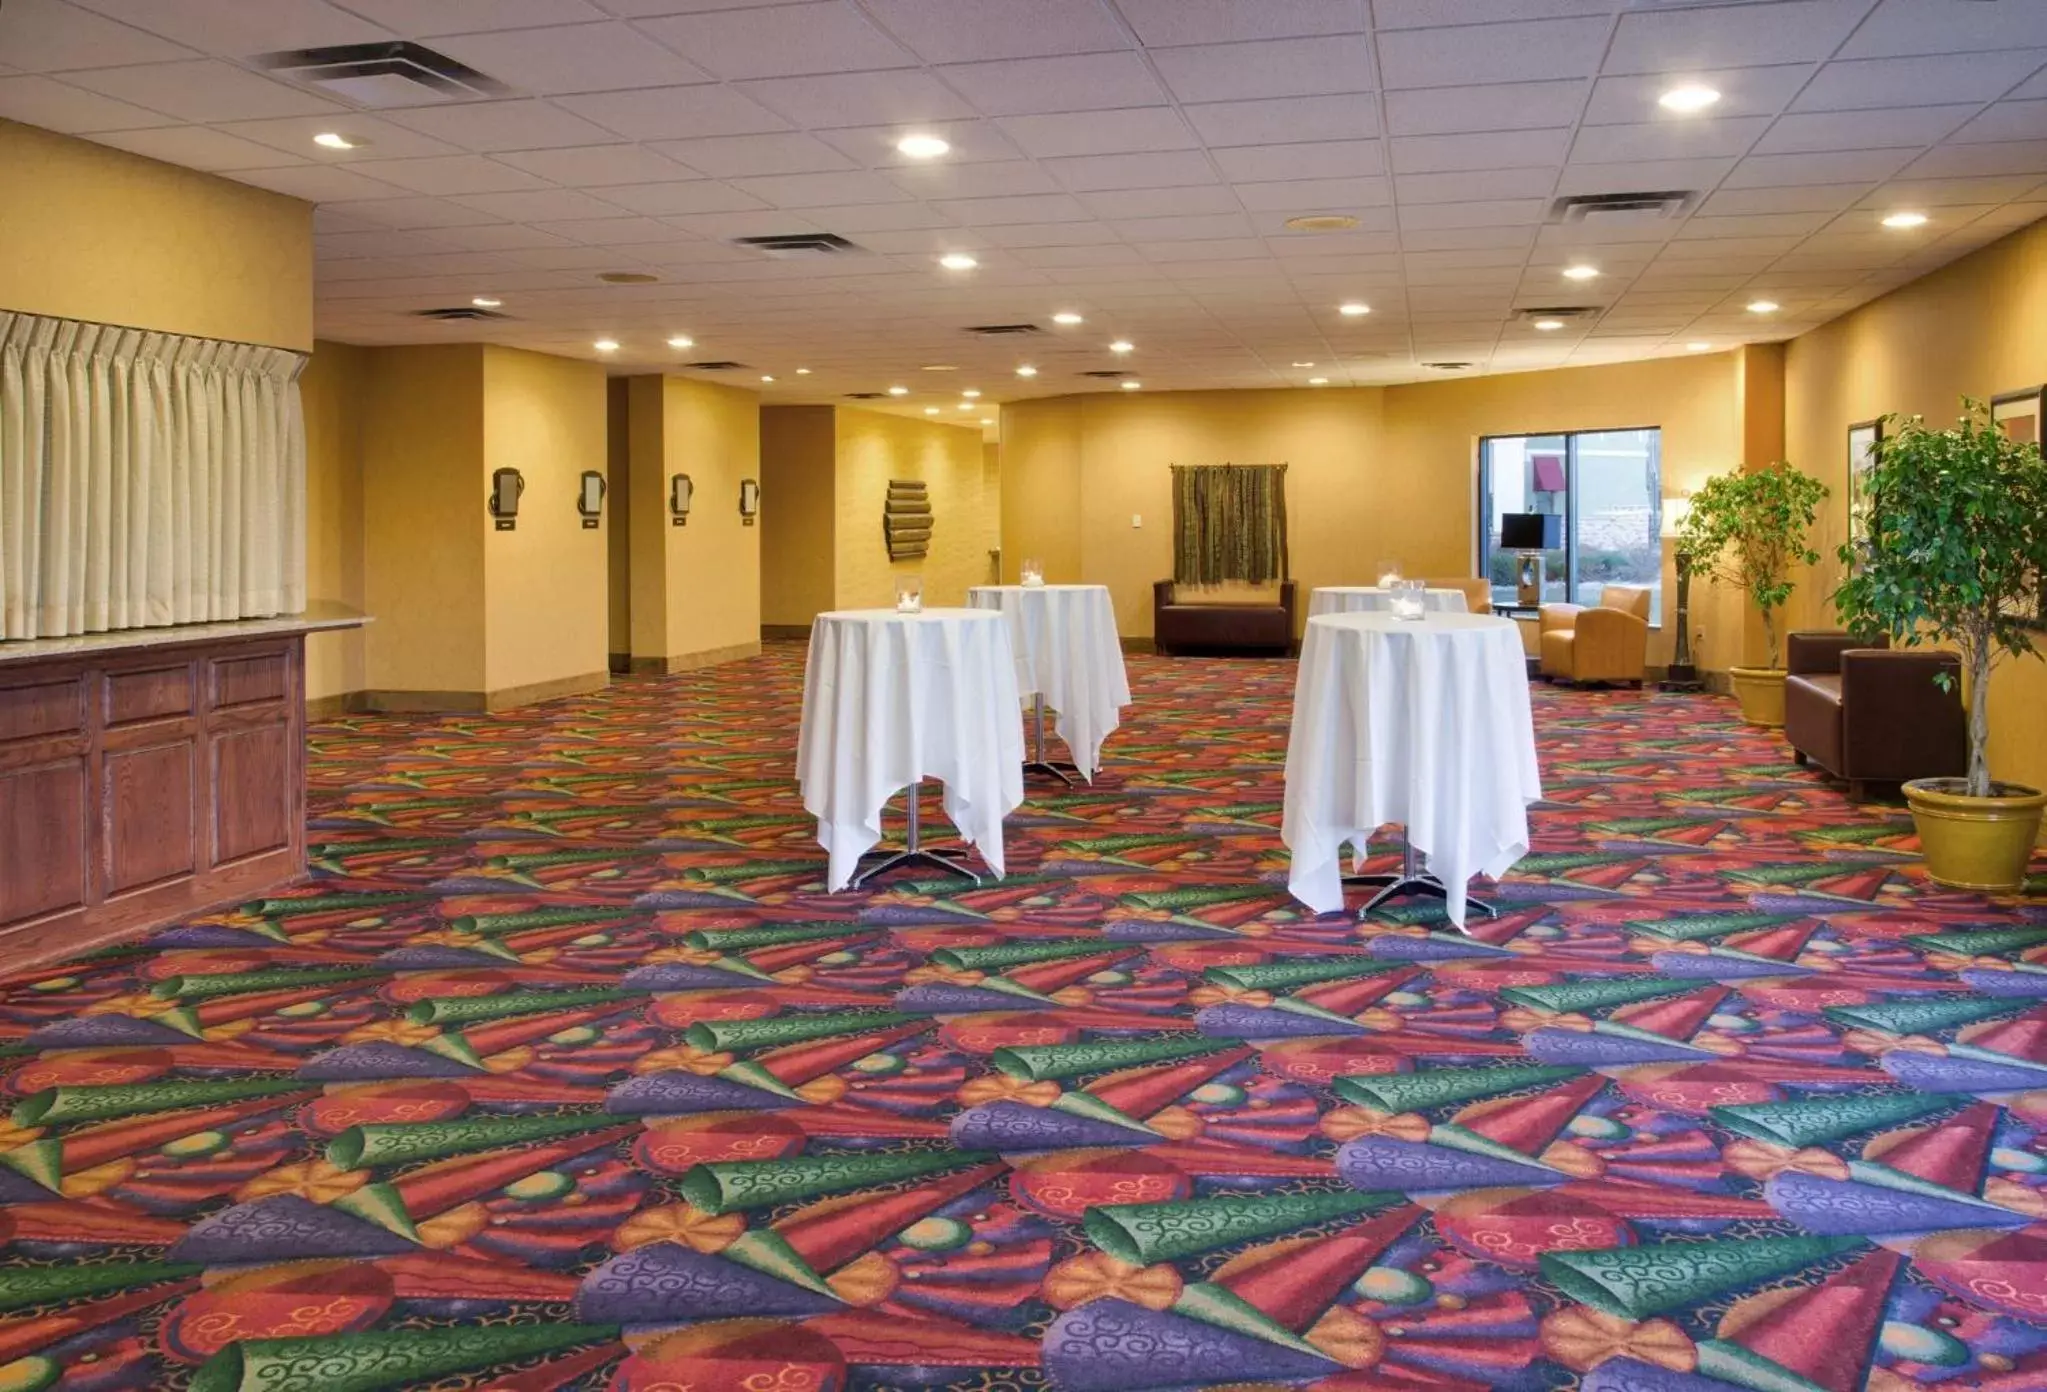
(1605, 484)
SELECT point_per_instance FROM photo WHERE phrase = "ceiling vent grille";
(1106, 373)
(865, 396)
(1447, 366)
(1569, 313)
(382, 74)
(1611, 209)
(1003, 330)
(715, 366)
(459, 314)
(798, 246)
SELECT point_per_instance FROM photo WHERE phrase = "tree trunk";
(1770, 637)
(1978, 656)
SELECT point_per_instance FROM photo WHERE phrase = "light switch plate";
(1137, 519)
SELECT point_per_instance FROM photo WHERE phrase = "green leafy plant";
(1748, 529)
(1953, 545)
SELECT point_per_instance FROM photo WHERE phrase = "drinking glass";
(909, 594)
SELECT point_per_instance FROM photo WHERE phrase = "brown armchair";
(1248, 627)
(1864, 713)
(1478, 592)
(1608, 641)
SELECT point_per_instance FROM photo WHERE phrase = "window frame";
(1570, 513)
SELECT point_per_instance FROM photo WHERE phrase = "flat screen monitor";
(1531, 531)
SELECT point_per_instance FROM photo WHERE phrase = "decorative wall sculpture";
(906, 519)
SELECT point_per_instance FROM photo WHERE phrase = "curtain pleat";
(146, 479)
(1229, 523)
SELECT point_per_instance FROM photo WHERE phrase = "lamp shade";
(1675, 510)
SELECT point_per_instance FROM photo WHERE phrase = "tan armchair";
(1606, 642)
(1478, 593)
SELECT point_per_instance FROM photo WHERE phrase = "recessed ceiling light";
(1905, 220)
(766, 378)
(940, 367)
(802, 372)
(1067, 316)
(1121, 345)
(898, 391)
(1130, 386)
(1549, 325)
(968, 406)
(987, 420)
(1353, 309)
(957, 261)
(335, 140)
(1304, 364)
(486, 302)
(1762, 306)
(923, 146)
(682, 341)
(971, 392)
(1688, 98)
(1027, 371)
(606, 345)
(1581, 272)
(1318, 381)
(1698, 347)
(930, 410)
(1321, 222)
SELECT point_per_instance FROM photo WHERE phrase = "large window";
(1605, 484)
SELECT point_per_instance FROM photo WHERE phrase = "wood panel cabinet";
(146, 781)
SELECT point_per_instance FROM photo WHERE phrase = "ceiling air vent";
(795, 246)
(382, 74)
(1612, 209)
(459, 313)
(865, 396)
(1104, 372)
(715, 366)
(1447, 366)
(1004, 330)
(1568, 313)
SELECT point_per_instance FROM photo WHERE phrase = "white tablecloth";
(1424, 722)
(890, 698)
(1067, 648)
(1370, 599)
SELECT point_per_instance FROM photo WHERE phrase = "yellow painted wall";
(874, 447)
(546, 606)
(331, 390)
(1041, 488)
(88, 232)
(618, 533)
(1976, 327)
(424, 525)
(798, 546)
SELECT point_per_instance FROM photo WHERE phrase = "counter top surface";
(317, 618)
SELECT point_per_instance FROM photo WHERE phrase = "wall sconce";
(749, 501)
(590, 501)
(679, 491)
(505, 487)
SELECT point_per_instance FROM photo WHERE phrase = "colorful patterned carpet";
(567, 1074)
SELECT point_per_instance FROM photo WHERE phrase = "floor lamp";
(1681, 675)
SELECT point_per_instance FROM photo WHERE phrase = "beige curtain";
(1229, 523)
(146, 479)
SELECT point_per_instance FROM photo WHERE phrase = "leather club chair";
(1478, 592)
(1231, 628)
(1867, 714)
(1604, 642)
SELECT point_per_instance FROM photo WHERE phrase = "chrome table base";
(1038, 763)
(946, 860)
(1411, 878)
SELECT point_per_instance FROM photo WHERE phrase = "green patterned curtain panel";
(1229, 523)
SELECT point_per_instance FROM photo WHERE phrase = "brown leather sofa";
(1605, 642)
(1867, 714)
(1228, 628)
(1478, 592)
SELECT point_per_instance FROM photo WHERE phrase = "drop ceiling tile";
(2006, 120)
(57, 106)
(1089, 173)
(989, 180)
(996, 212)
(539, 205)
(1902, 127)
(683, 196)
(817, 190)
(1631, 98)
(1326, 159)
(1432, 154)
(675, 112)
(783, 41)
(487, 127)
(494, 236)
(1505, 212)
(195, 147)
(1882, 82)
(47, 36)
(235, 29)
(1165, 23)
(1729, 249)
(877, 217)
(594, 166)
(1522, 51)
(449, 174)
(612, 231)
(1840, 167)
(407, 213)
(572, 58)
(1470, 185)
(339, 246)
(430, 18)
(1477, 238)
(1049, 234)
(1026, 86)
(377, 139)
(957, 31)
(1990, 157)
(1142, 231)
(874, 147)
(1945, 26)
(1099, 132)
(924, 243)
(1316, 195)
(1798, 198)
(1494, 107)
(724, 223)
(1282, 120)
(1686, 41)
(1666, 140)
(2034, 87)
(317, 183)
(859, 99)
(1753, 225)
(1268, 68)
(1952, 193)
(203, 89)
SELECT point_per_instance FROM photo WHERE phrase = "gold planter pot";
(1981, 843)
(1761, 693)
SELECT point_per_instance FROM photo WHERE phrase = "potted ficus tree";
(1748, 529)
(1951, 551)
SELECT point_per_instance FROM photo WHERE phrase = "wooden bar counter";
(147, 775)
